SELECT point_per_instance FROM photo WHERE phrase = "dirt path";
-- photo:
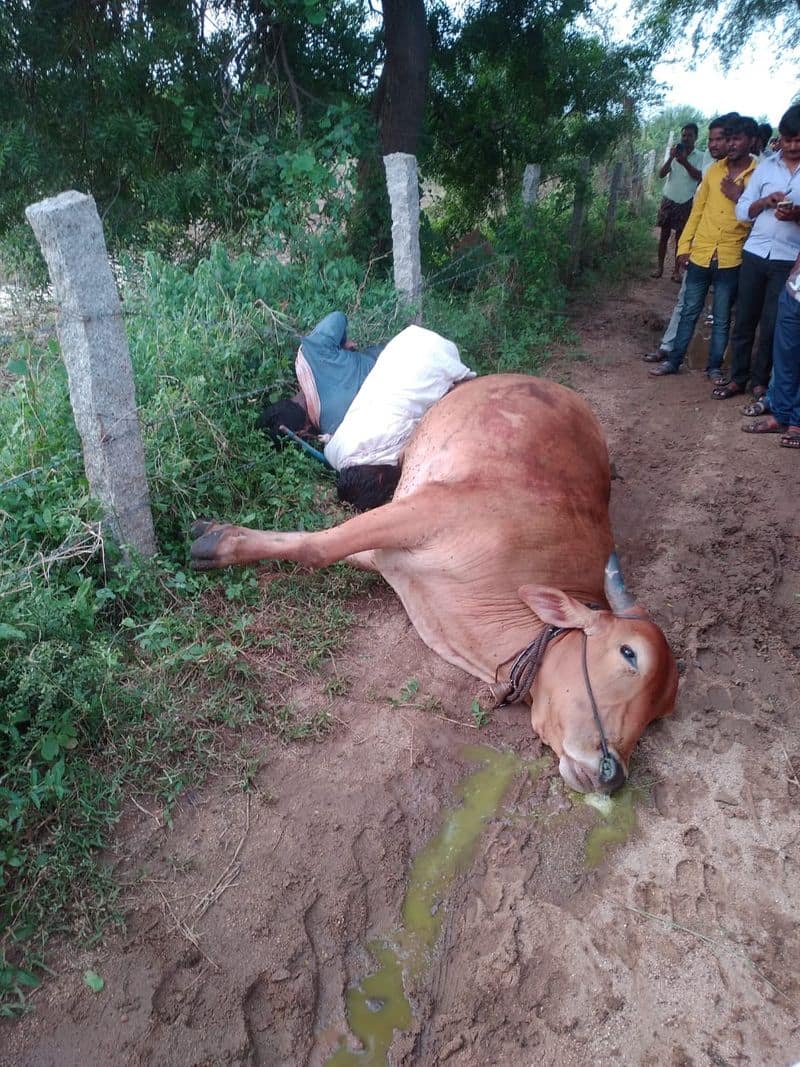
(252, 916)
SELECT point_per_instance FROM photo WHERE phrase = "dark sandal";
(768, 425)
(758, 407)
(790, 440)
(725, 392)
(759, 392)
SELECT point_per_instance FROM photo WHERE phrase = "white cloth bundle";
(416, 369)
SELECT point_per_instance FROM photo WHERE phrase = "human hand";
(681, 263)
(351, 346)
(787, 212)
(771, 200)
(731, 188)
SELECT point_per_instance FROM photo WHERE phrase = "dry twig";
(793, 776)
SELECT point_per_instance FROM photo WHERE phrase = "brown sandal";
(767, 425)
(790, 440)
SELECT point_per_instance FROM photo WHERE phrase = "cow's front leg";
(398, 524)
(226, 545)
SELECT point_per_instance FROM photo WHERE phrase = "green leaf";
(10, 633)
(17, 366)
(94, 981)
(49, 747)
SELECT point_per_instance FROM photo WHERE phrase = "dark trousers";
(760, 285)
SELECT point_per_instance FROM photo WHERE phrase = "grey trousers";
(668, 340)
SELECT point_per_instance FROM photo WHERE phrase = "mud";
(661, 933)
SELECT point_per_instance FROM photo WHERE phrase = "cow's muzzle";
(586, 776)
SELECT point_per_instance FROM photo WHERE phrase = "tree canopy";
(225, 112)
(722, 26)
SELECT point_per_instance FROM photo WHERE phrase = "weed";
(480, 715)
(337, 686)
(408, 690)
(291, 724)
(405, 699)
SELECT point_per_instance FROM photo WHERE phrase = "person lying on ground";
(366, 449)
(710, 250)
(415, 369)
(783, 397)
(330, 370)
(772, 203)
(717, 149)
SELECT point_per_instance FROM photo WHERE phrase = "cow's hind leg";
(399, 524)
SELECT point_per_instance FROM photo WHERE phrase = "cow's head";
(631, 671)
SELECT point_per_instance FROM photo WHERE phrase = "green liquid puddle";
(619, 821)
(378, 1006)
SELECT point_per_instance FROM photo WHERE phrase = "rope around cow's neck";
(525, 667)
(523, 672)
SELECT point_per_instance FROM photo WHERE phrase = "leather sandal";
(767, 425)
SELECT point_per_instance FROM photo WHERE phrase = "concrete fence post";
(578, 215)
(650, 168)
(614, 189)
(402, 182)
(530, 183)
(95, 351)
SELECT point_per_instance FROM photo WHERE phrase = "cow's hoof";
(201, 526)
(210, 550)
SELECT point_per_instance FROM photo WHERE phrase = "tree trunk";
(399, 104)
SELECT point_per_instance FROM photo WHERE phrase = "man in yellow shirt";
(710, 250)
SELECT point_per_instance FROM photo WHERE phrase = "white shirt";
(769, 238)
(679, 185)
(414, 370)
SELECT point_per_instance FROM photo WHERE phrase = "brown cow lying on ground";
(497, 539)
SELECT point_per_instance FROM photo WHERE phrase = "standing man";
(710, 249)
(717, 149)
(682, 171)
(772, 204)
(784, 389)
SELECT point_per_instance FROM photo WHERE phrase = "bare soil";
(250, 917)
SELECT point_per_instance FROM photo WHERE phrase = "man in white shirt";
(772, 203)
(682, 171)
(784, 389)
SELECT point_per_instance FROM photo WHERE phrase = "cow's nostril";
(612, 774)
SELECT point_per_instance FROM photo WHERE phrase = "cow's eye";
(628, 654)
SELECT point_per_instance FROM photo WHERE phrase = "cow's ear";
(557, 608)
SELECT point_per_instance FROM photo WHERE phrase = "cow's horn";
(619, 599)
